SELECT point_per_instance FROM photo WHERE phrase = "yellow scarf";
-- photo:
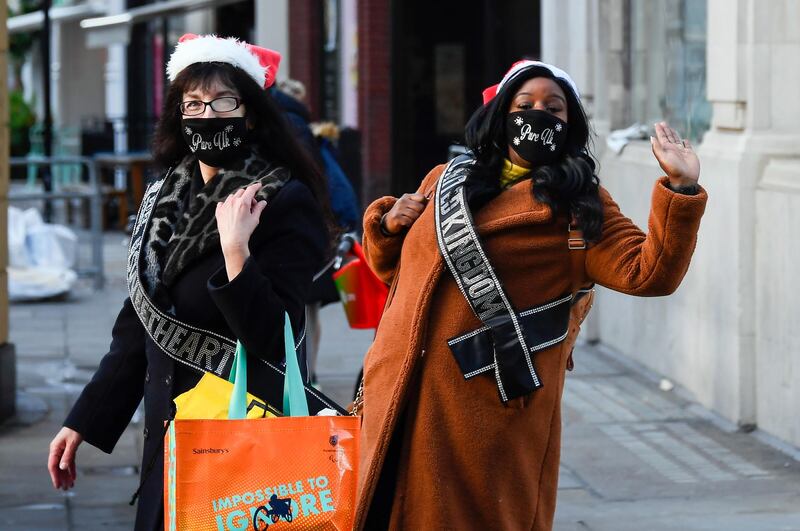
(512, 173)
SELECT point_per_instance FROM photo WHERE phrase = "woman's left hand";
(237, 218)
(676, 156)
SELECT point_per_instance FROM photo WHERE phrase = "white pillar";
(117, 84)
(348, 79)
(117, 94)
(566, 40)
(589, 44)
(773, 117)
(752, 62)
(272, 30)
(56, 46)
(725, 79)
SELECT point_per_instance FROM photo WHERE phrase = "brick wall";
(375, 96)
(305, 45)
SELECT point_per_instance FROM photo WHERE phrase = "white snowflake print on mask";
(537, 136)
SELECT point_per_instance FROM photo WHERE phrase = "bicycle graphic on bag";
(275, 509)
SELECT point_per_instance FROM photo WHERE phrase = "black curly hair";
(570, 187)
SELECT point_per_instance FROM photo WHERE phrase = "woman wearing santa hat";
(491, 264)
(225, 243)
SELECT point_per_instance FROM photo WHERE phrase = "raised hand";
(675, 156)
(237, 218)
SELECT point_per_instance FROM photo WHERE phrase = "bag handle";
(237, 407)
(295, 403)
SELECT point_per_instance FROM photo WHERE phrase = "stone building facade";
(731, 334)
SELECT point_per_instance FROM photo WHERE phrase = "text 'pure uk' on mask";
(537, 136)
(215, 141)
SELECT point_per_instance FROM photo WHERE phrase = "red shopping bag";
(362, 293)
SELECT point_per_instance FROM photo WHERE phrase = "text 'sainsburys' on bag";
(291, 472)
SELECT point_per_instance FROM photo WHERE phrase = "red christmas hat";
(259, 63)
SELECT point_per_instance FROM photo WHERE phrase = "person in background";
(319, 139)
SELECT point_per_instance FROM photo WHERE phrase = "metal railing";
(93, 194)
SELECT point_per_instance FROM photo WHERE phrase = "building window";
(668, 65)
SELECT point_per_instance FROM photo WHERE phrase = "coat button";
(168, 380)
(147, 377)
(146, 433)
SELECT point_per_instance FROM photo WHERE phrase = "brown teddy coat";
(465, 460)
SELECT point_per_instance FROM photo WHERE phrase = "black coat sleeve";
(107, 403)
(286, 251)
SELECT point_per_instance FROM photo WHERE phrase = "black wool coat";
(287, 248)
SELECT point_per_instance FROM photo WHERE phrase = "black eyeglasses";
(197, 107)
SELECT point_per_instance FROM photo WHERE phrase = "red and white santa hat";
(520, 67)
(259, 63)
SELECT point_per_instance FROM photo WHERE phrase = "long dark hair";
(570, 187)
(272, 135)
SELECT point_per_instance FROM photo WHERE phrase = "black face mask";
(537, 136)
(215, 141)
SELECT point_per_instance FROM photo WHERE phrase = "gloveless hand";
(404, 213)
(61, 460)
(675, 156)
(237, 218)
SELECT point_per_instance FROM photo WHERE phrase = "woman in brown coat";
(448, 448)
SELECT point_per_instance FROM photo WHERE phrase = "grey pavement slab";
(634, 457)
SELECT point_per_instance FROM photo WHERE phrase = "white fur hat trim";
(524, 65)
(210, 48)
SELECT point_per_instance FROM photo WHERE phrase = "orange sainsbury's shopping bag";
(294, 472)
(287, 472)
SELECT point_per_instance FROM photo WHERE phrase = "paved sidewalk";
(637, 458)
(59, 344)
(634, 457)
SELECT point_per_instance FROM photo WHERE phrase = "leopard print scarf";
(184, 228)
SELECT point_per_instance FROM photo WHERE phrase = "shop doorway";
(444, 54)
